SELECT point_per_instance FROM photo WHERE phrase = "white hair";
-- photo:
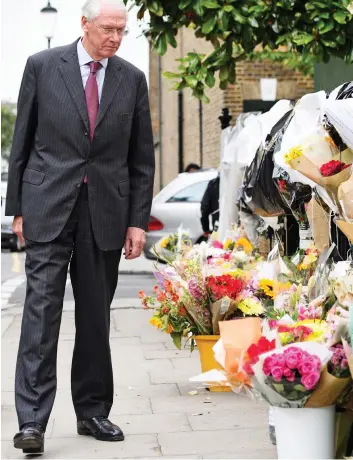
(92, 8)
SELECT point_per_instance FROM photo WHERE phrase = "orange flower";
(141, 294)
(182, 311)
(170, 329)
(161, 297)
(165, 310)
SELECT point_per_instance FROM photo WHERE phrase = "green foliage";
(8, 119)
(311, 31)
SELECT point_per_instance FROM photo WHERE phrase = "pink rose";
(293, 351)
(280, 360)
(310, 380)
(289, 375)
(268, 365)
(292, 361)
(317, 362)
(217, 244)
(277, 373)
(344, 364)
(307, 366)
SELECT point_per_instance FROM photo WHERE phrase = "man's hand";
(17, 228)
(134, 242)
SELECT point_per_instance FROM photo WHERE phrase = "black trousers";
(94, 275)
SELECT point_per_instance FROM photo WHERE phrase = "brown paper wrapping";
(319, 224)
(328, 390)
(345, 197)
(307, 168)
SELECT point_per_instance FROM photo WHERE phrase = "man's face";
(105, 33)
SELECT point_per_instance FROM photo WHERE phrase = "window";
(192, 194)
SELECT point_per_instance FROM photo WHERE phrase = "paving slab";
(152, 402)
(134, 446)
(240, 443)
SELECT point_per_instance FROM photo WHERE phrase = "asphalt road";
(12, 268)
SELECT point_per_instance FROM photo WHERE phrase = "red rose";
(332, 167)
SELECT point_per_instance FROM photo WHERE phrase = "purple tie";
(92, 99)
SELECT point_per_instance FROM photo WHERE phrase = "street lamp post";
(49, 17)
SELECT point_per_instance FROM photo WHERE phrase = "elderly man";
(80, 185)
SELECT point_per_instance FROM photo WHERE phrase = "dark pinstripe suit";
(64, 219)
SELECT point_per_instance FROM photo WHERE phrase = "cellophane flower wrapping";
(277, 379)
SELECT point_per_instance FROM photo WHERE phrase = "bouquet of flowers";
(289, 377)
(167, 248)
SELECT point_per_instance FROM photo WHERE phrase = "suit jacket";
(52, 152)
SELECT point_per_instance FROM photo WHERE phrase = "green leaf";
(210, 80)
(329, 43)
(176, 336)
(278, 387)
(191, 81)
(228, 8)
(171, 75)
(161, 45)
(225, 21)
(204, 99)
(341, 17)
(156, 8)
(223, 84)
(141, 12)
(253, 22)
(303, 39)
(198, 8)
(325, 27)
(210, 4)
(239, 18)
(300, 388)
(182, 4)
(171, 39)
(209, 25)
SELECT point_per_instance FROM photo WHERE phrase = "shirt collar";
(84, 58)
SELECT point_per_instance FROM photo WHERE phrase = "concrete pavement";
(152, 404)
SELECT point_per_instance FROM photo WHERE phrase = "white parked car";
(8, 238)
(178, 203)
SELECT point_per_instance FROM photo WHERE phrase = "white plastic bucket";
(305, 433)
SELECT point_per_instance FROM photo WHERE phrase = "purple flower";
(159, 277)
(344, 364)
(254, 284)
(194, 289)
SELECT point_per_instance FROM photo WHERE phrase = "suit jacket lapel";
(110, 86)
(70, 72)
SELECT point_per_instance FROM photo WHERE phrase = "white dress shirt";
(83, 59)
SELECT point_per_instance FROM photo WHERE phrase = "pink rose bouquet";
(293, 373)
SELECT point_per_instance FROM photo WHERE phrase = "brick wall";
(291, 85)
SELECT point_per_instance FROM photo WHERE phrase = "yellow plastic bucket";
(205, 344)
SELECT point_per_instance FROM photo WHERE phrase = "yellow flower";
(308, 260)
(245, 245)
(237, 273)
(156, 322)
(250, 306)
(295, 152)
(164, 243)
(267, 286)
(226, 265)
(229, 244)
(318, 327)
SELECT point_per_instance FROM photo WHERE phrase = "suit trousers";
(94, 276)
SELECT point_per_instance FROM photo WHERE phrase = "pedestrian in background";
(80, 187)
(210, 207)
(192, 167)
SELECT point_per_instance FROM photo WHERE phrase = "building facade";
(186, 130)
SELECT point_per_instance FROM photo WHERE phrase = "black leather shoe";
(100, 428)
(30, 439)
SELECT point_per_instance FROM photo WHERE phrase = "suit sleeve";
(206, 209)
(23, 140)
(141, 160)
